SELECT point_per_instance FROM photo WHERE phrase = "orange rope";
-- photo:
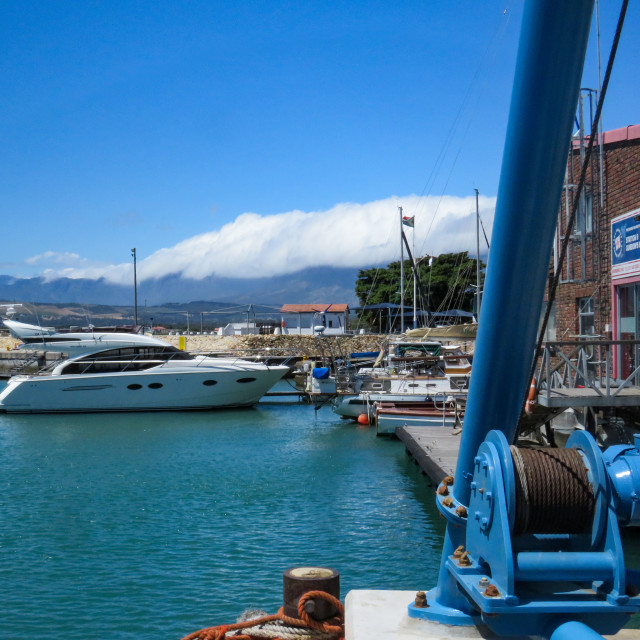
(334, 626)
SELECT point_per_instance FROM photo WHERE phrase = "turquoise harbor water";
(155, 525)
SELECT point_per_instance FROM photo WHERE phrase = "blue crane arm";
(491, 566)
(546, 88)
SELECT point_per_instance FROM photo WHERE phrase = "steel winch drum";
(553, 492)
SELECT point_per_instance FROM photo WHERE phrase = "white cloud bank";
(347, 235)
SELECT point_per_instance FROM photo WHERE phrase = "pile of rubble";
(275, 345)
(281, 345)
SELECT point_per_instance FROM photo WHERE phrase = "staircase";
(22, 364)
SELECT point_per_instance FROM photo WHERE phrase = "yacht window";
(459, 382)
(140, 353)
(134, 387)
(209, 383)
(155, 385)
(244, 380)
(86, 366)
(125, 359)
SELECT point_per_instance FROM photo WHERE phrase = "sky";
(252, 138)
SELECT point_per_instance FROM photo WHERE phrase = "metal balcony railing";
(605, 369)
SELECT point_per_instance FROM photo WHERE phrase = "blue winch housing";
(538, 581)
(623, 466)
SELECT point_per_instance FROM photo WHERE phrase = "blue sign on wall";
(625, 245)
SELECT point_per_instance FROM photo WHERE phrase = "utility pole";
(477, 258)
(135, 287)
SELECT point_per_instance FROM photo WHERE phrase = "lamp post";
(478, 293)
(135, 287)
(401, 274)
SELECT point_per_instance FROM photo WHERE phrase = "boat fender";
(363, 419)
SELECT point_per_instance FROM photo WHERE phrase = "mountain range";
(313, 285)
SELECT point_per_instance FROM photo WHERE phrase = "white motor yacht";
(129, 372)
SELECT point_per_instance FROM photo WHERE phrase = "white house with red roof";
(314, 319)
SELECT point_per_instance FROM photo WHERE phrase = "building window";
(585, 213)
(550, 331)
(586, 317)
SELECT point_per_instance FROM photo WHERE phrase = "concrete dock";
(435, 449)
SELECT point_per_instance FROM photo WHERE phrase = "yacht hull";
(351, 406)
(164, 389)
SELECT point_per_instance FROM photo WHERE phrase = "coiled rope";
(281, 626)
(553, 492)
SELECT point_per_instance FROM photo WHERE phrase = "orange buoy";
(363, 418)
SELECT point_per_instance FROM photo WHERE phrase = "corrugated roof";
(314, 308)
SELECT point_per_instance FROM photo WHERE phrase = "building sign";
(625, 245)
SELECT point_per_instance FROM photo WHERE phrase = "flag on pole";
(408, 221)
(430, 260)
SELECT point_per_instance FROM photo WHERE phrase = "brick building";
(599, 290)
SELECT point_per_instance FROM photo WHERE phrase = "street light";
(135, 287)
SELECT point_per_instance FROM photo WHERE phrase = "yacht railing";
(605, 366)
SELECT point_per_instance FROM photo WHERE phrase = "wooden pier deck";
(435, 449)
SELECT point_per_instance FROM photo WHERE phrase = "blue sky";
(247, 138)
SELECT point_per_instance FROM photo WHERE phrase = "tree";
(446, 284)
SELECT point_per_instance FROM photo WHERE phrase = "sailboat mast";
(415, 276)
